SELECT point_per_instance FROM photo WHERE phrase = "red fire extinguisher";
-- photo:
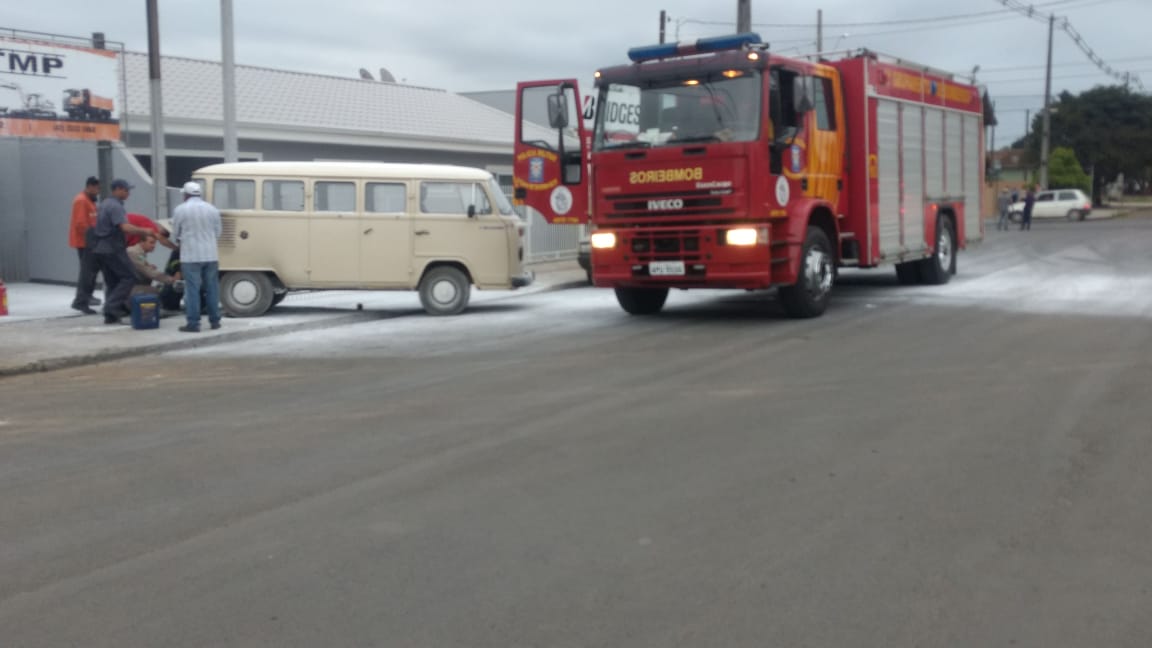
(3, 298)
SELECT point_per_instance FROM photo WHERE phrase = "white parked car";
(1055, 203)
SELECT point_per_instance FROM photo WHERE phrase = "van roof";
(346, 170)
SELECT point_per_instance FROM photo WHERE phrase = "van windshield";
(502, 202)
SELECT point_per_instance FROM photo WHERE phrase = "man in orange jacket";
(83, 220)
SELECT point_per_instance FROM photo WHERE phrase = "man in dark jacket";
(111, 251)
(1029, 202)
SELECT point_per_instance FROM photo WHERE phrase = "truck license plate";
(666, 268)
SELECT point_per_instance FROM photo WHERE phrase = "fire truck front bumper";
(703, 258)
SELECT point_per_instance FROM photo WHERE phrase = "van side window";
(234, 194)
(385, 198)
(334, 197)
(479, 198)
(283, 195)
(453, 198)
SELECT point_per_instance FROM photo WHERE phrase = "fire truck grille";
(684, 245)
(692, 203)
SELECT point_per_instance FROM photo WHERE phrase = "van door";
(334, 235)
(455, 221)
(277, 235)
(385, 236)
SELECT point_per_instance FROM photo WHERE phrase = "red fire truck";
(717, 164)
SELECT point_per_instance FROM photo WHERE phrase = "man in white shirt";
(196, 229)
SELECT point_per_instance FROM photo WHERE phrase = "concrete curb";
(194, 341)
(197, 341)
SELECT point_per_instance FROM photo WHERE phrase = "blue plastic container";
(145, 311)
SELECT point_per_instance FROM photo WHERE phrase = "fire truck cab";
(719, 165)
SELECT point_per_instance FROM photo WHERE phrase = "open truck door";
(551, 163)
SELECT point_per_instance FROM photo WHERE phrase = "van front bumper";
(523, 280)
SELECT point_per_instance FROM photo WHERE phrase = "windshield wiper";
(695, 139)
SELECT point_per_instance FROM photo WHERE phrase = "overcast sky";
(464, 46)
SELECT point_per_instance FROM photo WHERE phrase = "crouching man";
(147, 275)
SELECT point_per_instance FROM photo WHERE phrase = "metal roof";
(347, 170)
(281, 104)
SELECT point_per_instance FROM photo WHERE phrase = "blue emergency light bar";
(701, 46)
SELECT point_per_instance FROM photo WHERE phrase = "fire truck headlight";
(603, 240)
(742, 236)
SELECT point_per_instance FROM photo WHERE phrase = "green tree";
(1109, 128)
(1065, 172)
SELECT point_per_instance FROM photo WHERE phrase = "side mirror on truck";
(802, 95)
(558, 110)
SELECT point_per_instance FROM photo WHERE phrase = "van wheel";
(642, 301)
(246, 294)
(938, 269)
(279, 297)
(445, 291)
(809, 296)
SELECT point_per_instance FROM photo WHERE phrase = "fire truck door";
(825, 145)
(551, 151)
(790, 110)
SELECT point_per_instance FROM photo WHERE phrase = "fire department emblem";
(536, 170)
(783, 194)
(797, 159)
(560, 200)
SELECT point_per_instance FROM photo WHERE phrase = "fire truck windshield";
(724, 107)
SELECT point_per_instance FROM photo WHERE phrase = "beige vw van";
(288, 226)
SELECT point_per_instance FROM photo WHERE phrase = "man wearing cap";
(79, 230)
(111, 251)
(196, 229)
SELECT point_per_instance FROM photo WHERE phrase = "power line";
(1029, 11)
(906, 21)
(1069, 64)
(1065, 76)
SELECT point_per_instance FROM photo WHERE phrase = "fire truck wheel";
(908, 273)
(246, 294)
(445, 290)
(641, 301)
(810, 295)
(939, 268)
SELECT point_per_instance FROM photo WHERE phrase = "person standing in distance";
(111, 251)
(1029, 203)
(79, 233)
(196, 229)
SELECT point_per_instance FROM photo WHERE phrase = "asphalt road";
(966, 465)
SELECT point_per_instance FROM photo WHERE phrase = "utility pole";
(103, 147)
(1046, 129)
(993, 148)
(159, 168)
(819, 30)
(743, 16)
(663, 21)
(228, 65)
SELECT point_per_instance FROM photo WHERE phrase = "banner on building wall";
(57, 91)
